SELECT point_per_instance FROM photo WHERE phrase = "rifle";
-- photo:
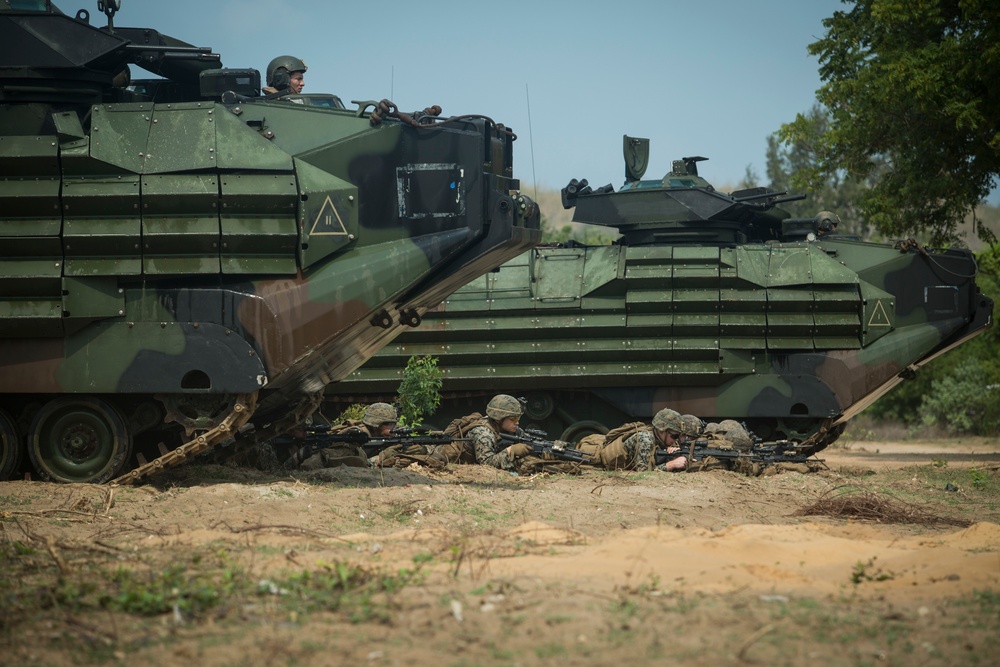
(543, 448)
(319, 437)
(765, 453)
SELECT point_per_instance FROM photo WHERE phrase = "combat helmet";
(377, 414)
(692, 425)
(501, 406)
(280, 69)
(733, 431)
(668, 420)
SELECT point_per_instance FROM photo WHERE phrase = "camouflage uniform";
(339, 454)
(371, 424)
(731, 431)
(693, 426)
(727, 434)
(485, 445)
(490, 449)
(636, 449)
(378, 415)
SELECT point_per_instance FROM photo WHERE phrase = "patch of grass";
(878, 633)
(365, 594)
(499, 653)
(866, 571)
(176, 589)
(481, 513)
(922, 495)
(13, 501)
(549, 651)
(558, 619)
(35, 580)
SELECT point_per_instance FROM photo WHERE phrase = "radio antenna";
(531, 143)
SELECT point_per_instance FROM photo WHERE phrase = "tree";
(795, 167)
(914, 107)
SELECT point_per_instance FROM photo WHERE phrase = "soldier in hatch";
(285, 74)
(633, 446)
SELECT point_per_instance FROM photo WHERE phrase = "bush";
(963, 401)
(419, 392)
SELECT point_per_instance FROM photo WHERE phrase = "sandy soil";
(703, 569)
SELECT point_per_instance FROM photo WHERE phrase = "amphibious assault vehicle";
(184, 263)
(715, 304)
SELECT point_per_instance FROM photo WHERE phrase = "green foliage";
(189, 591)
(964, 401)
(353, 412)
(868, 572)
(980, 479)
(174, 589)
(910, 89)
(181, 589)
(795, 166)
(338, 586)
(420, 390)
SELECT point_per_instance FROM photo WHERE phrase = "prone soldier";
(484, 444)
(693, 427)
(378, 420)
(633, 446)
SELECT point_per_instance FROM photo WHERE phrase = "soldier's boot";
(613, 456)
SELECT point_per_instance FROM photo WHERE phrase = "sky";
(706, 77)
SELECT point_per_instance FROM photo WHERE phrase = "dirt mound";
(471, 565)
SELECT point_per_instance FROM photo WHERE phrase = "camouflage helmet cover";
(692, 425)
(735, 433)
(502, 405)
(289, 64)
(668, 420)
(377, 414)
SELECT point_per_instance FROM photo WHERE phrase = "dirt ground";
(474, 566)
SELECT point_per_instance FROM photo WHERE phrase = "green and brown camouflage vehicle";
(183, 261)
(714, 304)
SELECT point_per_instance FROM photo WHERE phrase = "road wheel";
(581, 429)
(78, 439)
(11, 447)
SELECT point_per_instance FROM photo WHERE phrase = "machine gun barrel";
(766, 453)
(318, 437)
(546, 448)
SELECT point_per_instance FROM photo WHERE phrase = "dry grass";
(875, 507)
